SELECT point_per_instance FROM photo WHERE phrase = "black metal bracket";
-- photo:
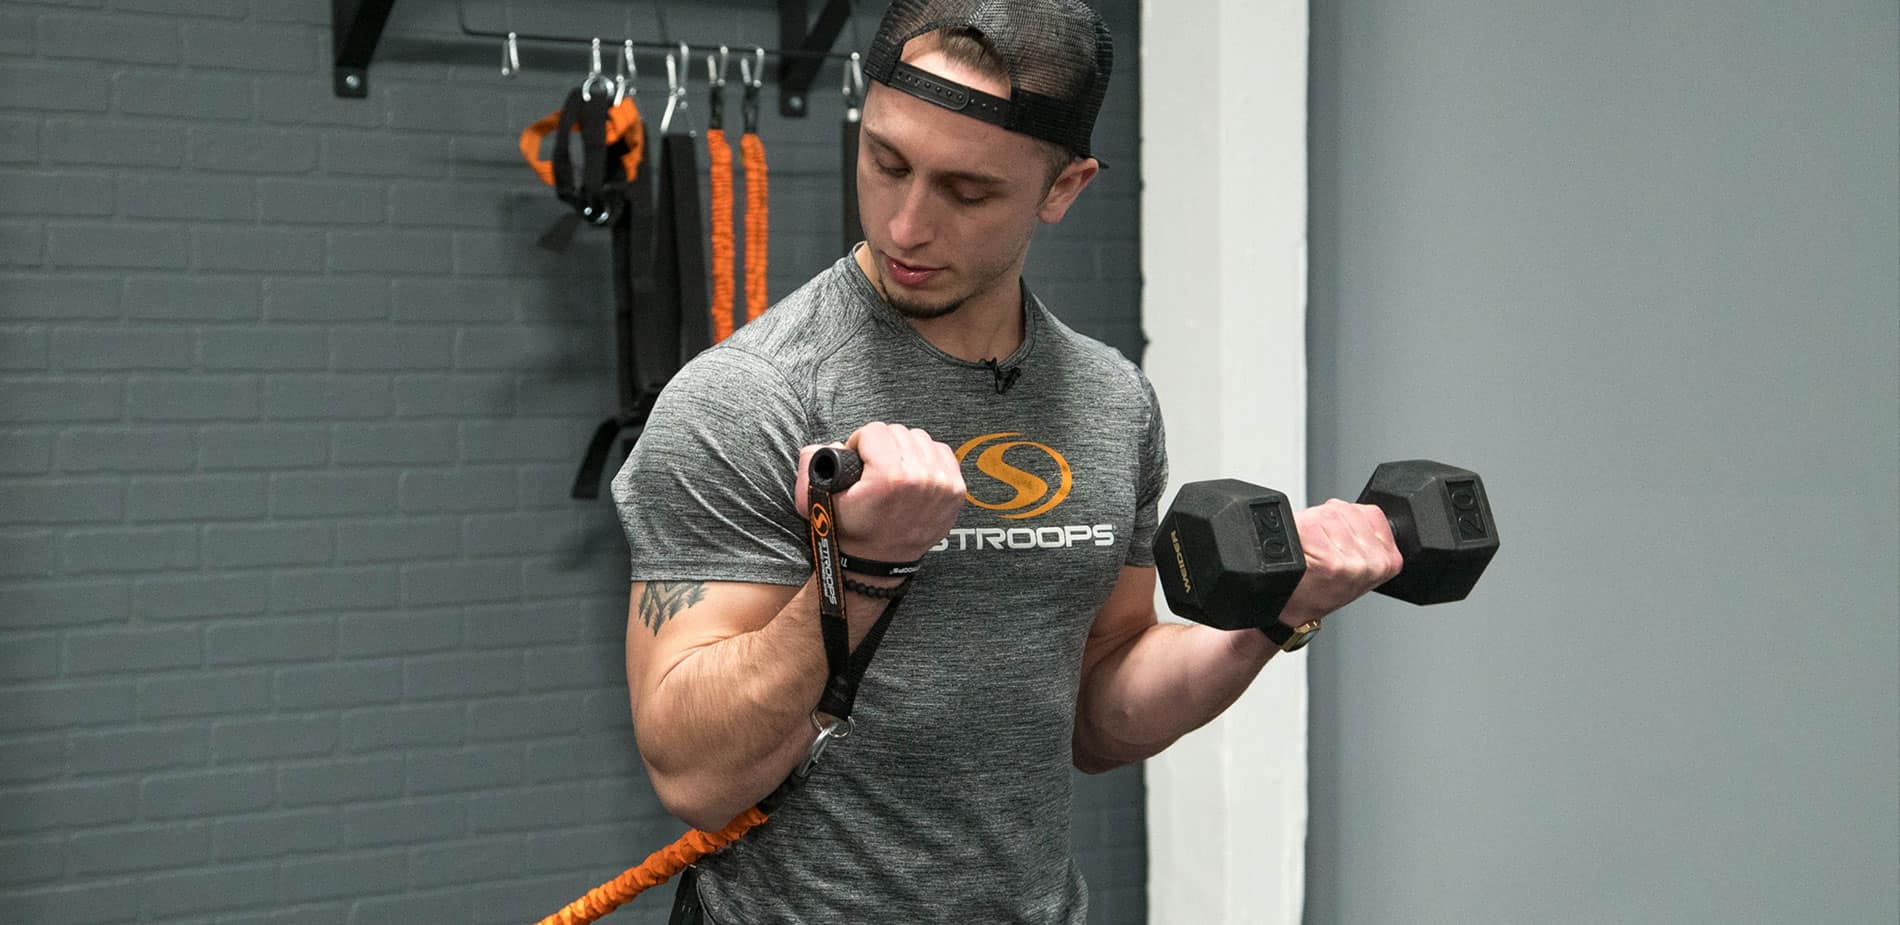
(355, 28)
(797, 72)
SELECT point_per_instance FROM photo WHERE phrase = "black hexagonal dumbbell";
(1442, 522)
(1229, 555)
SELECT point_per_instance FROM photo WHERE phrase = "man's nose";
(912, 224)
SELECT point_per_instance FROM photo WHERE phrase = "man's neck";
(989, 325)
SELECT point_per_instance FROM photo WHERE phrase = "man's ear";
(1069, 184)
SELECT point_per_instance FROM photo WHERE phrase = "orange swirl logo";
(1032, 491)
(821, 520)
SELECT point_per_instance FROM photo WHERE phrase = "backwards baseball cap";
(1058, 54)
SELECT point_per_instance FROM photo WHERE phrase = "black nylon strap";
(951, 95)
(844, 669)
(596, 203)
(689, 238)
(594, 460)
(563, 164)
(663, 331)
(655, 340)
(624, 301)
(592, 198)
(605, 193)
(1028, 112)
(822, 525)
(687, 909)
(861, 659)
(841, 688)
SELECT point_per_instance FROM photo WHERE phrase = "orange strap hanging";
(659, 867)
(722, 240)
(623, 121)
(758, 223)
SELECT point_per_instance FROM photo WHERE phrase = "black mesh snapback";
(1058, 53)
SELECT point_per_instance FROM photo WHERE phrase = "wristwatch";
(1289, 638)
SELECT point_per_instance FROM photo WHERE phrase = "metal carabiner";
(826, 732)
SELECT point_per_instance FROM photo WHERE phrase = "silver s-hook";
(676, 77)
(594, 74)
(753, 75)
(854, 87)
(627, 74)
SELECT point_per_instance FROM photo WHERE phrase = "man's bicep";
(667, 620)
(1128, 612)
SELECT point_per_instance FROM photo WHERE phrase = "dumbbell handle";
(835, 469)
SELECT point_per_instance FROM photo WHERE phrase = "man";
(1025, 475)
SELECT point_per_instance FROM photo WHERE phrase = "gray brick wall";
(297, 622)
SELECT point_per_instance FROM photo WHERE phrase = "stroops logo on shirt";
(1025, 492)
(1029, 487)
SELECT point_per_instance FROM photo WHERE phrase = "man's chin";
(914, 308)
(923, 311)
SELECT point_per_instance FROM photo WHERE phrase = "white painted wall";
(1224, 256)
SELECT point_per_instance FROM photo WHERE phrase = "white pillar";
(1223, 159)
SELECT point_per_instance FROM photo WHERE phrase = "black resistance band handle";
(830, 470)
(834, 469)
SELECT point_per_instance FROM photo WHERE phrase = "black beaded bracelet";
(873, 591)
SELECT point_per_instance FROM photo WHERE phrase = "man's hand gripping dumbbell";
(1234, 555)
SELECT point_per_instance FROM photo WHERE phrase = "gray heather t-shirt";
(950, 801)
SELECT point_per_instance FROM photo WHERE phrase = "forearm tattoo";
(663, 600)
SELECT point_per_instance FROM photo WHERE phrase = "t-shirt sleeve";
(707, 493)
(1152, 475)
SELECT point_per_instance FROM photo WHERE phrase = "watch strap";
(1290, 638)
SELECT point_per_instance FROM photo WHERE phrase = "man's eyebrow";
(964, 175)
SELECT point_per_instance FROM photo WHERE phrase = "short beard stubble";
(916, 311)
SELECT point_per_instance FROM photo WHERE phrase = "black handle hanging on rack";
(606, 195)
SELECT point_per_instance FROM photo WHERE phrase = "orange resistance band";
(623, 120)
(758, 223)
(659, 867)
(722, 242)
